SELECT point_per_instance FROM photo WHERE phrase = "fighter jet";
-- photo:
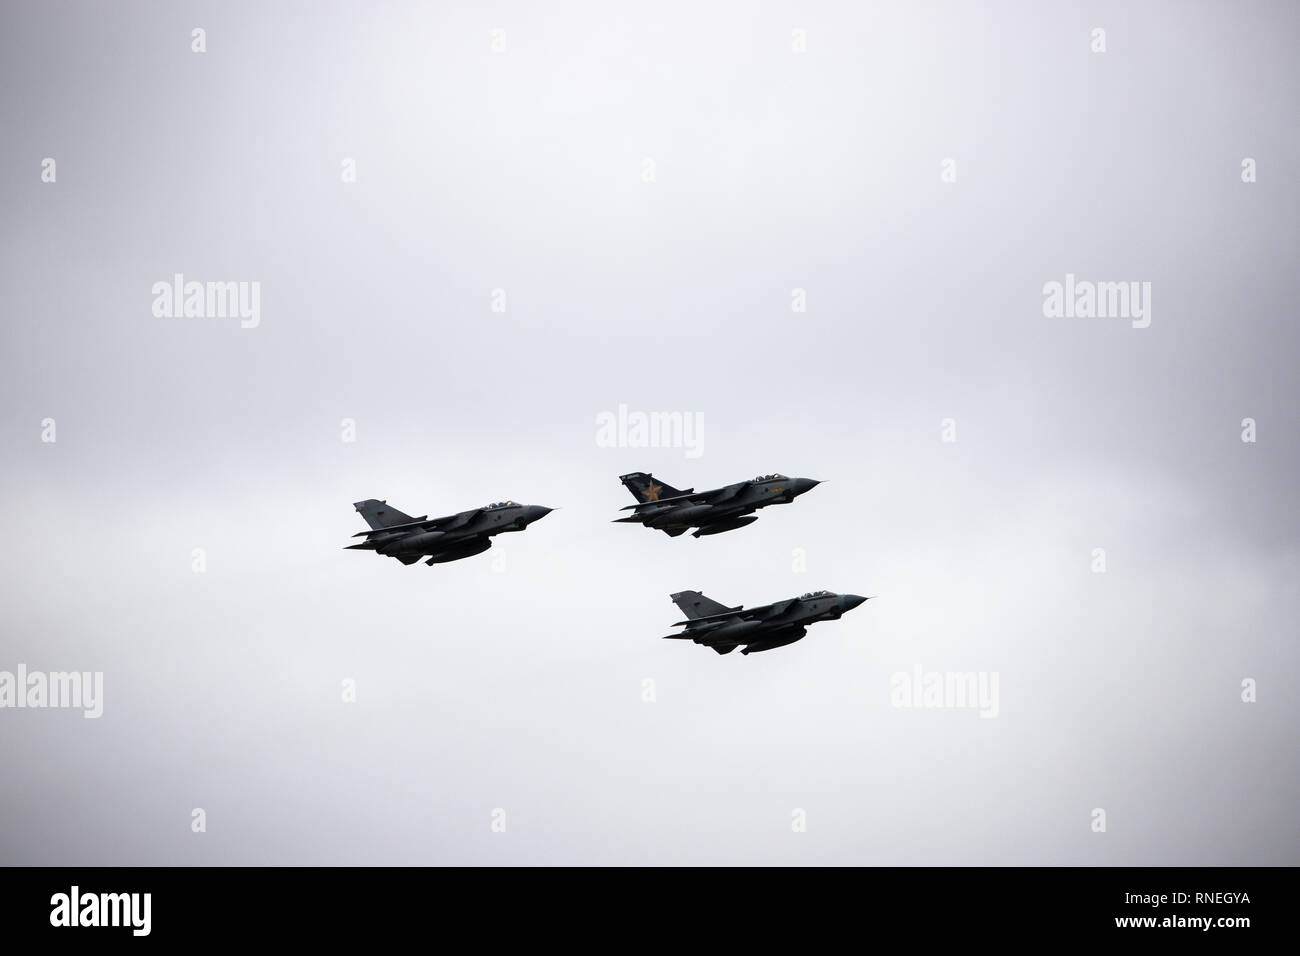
(674, 512)
(760, 628)
(444, 539)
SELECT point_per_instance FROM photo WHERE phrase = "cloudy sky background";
(514, 679)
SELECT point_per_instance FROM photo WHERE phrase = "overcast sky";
(649, 187)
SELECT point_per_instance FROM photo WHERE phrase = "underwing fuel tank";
(773, 642)
(722, 526)
(477, 546)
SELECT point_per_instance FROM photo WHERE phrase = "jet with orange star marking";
(457, 536)
(675, 512)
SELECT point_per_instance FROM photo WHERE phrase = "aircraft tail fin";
(695, 605)
(644, 487)
(378, 514)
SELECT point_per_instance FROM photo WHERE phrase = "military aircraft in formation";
(398, 535)
(457, 536)
(675, 512)
(758, 628)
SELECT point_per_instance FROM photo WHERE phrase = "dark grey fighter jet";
(444, 539)
(760, 628)
(723, 509)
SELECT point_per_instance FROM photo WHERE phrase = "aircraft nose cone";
(853, 600)
(802, 485)
(537, 512)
